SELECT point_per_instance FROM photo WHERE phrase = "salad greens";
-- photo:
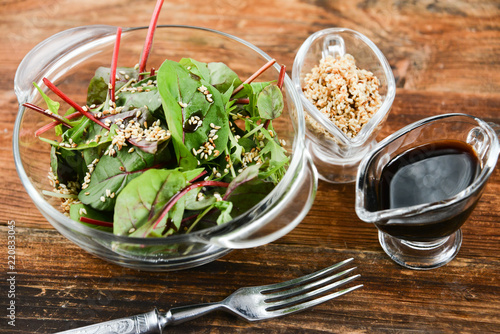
(169, 151)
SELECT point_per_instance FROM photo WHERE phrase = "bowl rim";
(365, 133)
(414, 210)
(204, 235)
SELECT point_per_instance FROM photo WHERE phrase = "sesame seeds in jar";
(345, 94)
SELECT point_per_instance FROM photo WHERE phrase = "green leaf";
(98, 87)
(78, 131)
(53, 106)
(248, 194)
(147, 96)
(270, 102)
(112, 174)
(67, 165)
(140, 204)
(222, 77)
(197, 68)
(225, 209)
(182, 99)
(252, 91)
(78, 210)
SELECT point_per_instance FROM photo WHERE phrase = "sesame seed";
(103, 199)
(131, 150)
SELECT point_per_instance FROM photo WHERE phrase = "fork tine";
(304, 279)
(301, 289)
(311, 303)
(292, 302)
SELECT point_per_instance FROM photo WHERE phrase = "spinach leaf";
(145, 93)
(78, 131)
(98, 87)
(53, 106)
(67, 165)
(252, 91)
(222, 77)
(270, 102)
(140, 204)
(78, 210)
(112, 174)
(182, 99)
(197, 68)
(225, 209)
(248, 194)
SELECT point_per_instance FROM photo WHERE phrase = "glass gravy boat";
(426, 235)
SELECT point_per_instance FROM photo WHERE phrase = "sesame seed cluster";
(347, 95)
(69, 192)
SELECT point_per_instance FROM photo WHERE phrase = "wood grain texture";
(446, 58)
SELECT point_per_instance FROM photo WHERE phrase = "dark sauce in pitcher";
(426, 174)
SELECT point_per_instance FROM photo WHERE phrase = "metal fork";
(250, 303)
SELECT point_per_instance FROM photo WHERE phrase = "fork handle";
(178, 315)
(146, 323)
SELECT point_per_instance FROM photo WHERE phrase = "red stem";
(255, 75)
(52, 125)
(199, 176)
(184, 191)
(48, 114)
(243, 100)
(114, 64)
(149, 37)
(72, 103)
(281, 78)
(95, 222)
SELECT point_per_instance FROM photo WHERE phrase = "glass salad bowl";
(336, 155)
(69, 60)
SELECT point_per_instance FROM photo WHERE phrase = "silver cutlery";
(250, 303)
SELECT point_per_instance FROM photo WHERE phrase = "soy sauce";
(426, 174)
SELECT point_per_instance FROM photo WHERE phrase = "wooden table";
(446, 58)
